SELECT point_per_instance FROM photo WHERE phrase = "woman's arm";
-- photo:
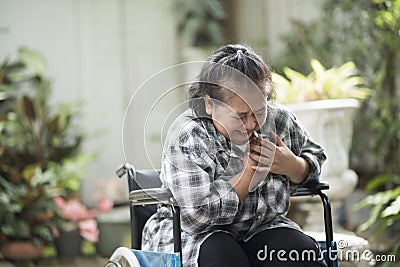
(297, 156)
(189, 170)
(285, 162)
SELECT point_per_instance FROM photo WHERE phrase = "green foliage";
(321, 83)
(385, 207)
(366, 32)
(386, 204)
(201, 22)
(39, 150)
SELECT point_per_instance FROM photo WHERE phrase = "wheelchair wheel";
(123, 257)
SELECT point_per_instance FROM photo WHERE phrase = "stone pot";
(330, 124)
(21, 250)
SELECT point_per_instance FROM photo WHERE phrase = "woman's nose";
(250, 123)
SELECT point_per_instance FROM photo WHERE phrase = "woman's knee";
(283, 247)
(221, 249)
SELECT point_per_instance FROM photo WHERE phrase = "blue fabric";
(332, 252)
(159, 259)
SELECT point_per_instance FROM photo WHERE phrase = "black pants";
(275, 247)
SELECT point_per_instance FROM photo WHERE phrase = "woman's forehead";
(246, 102)
(242, 87)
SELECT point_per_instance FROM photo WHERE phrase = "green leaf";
(317, 66)
(374, 214)
(347, 69)
(392, 209)
(32, 60)
(29, 109)
(377, 182)
(52, 125)
(293, 75)
(44, 232)
(379, 198)
(21, 229)
(381, 180)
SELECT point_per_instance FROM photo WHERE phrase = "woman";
(231, 161)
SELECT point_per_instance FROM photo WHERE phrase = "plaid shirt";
(197, 163)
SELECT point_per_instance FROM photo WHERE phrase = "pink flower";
(105, 204)
(74, 211)
(88, 230)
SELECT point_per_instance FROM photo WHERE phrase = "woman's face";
(239, 116)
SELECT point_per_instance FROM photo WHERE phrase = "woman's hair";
(224, 64)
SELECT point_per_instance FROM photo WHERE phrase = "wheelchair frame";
(146, 192)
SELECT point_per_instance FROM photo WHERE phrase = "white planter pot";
(330, 124)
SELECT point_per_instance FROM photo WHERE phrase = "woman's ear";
(208, 104)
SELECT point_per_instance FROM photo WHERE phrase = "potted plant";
(39, 154)
(325, 102)
(320, 84)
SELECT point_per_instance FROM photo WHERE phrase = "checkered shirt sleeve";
(190, 175)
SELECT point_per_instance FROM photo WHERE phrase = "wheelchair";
(145, 193)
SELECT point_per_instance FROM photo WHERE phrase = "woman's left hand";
(284, 161)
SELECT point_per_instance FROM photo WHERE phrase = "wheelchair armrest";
(311, 188)
(164, 196)
(151, 196)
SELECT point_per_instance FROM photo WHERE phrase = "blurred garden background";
(69, 70)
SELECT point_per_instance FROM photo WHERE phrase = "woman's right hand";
(256, 166)
(258, 160)
(261, 153)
